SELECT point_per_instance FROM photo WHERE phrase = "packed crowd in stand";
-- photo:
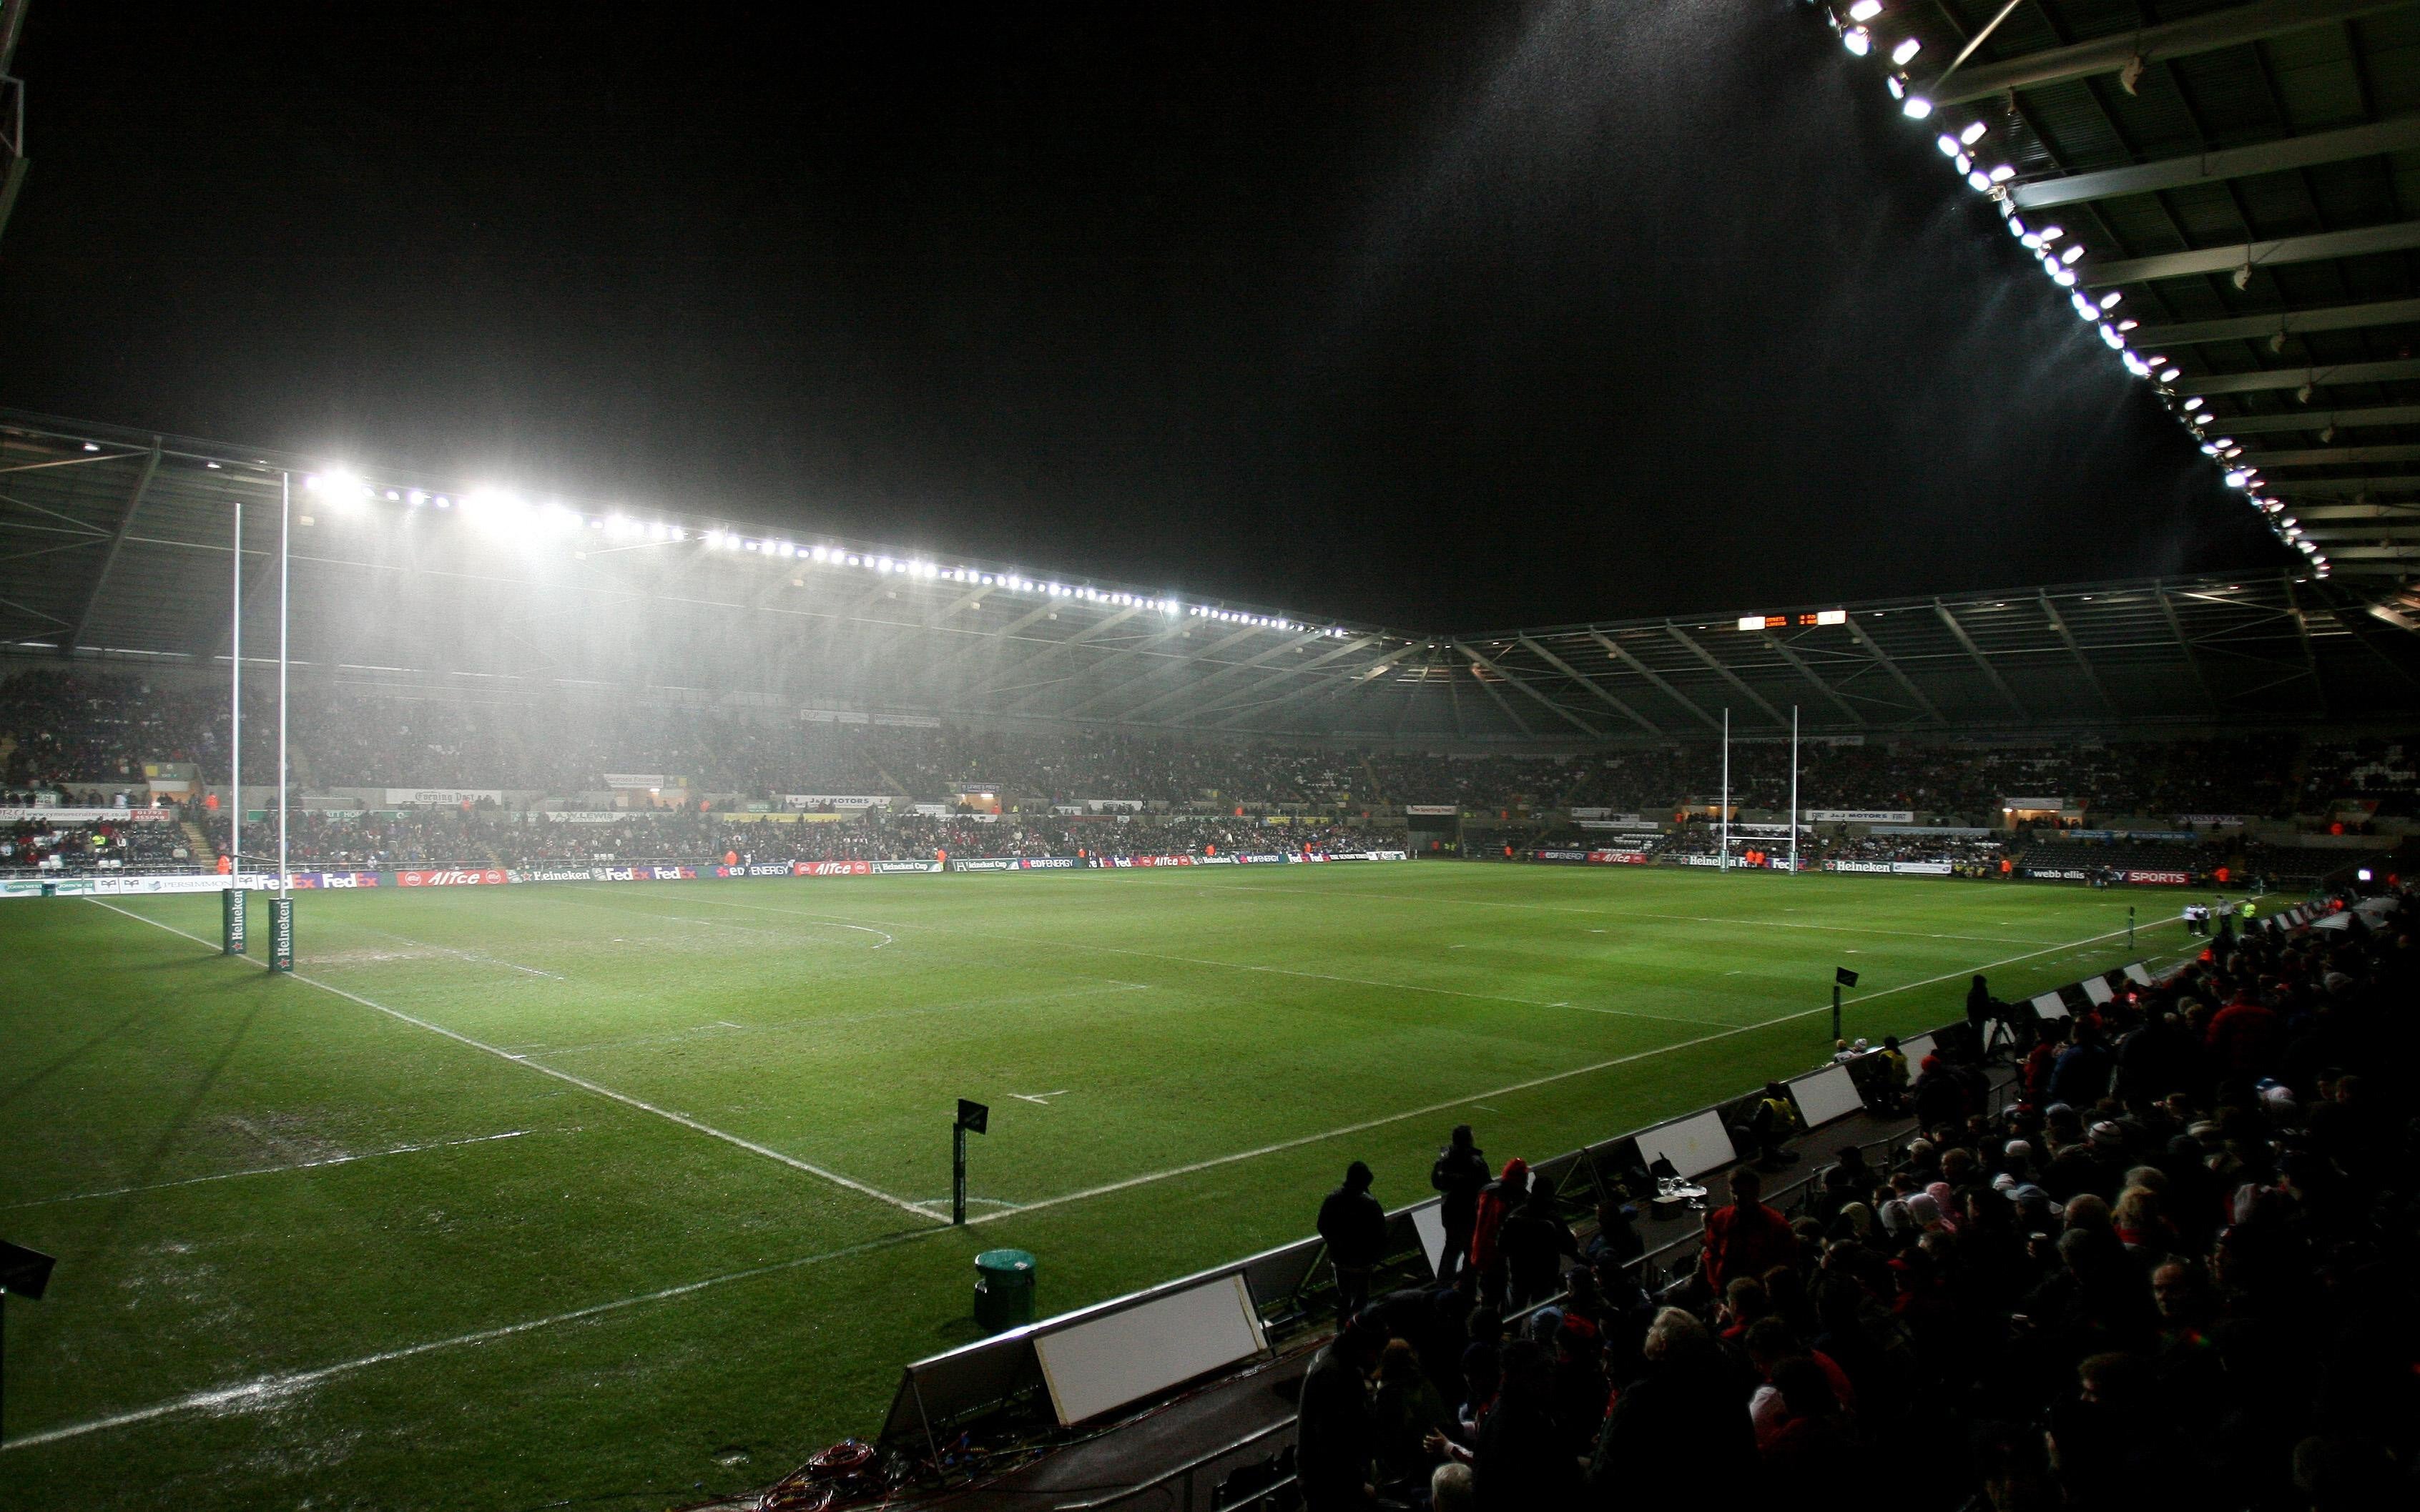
(43, 845)
(65, 727)
(2175, 1268)
(480, 837)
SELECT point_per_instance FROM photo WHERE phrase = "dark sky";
(1451, 317)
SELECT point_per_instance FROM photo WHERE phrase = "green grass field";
(573, 1192)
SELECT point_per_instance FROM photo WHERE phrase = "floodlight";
(2064, 278)
(2171, 375)
(1978, 181)
(1947, 144)
(2195, 402)
(2072, 255)
(1858, 40)
(1964, 163)
(2236, 480)
(1917, 108)
(1865, 9)
(1973, 133)
(2129, 323)
(1905, 51)
(1831, 616)
(2109, 300)
(2002, 173)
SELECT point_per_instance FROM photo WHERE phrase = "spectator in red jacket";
(1746, 1238)
(2246, 1039)
(1496, 1201)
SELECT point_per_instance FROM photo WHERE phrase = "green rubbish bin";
(1003, 1290)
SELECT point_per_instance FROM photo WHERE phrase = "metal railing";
(1185, 1475)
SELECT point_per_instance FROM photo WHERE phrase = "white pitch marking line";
(580, 1082)
(473, 956)
(1278, 971)
(1604, 912)
(265, 1391)
(269, 1170)
(724, 923)
(1534, 1082)
(1043, 1099)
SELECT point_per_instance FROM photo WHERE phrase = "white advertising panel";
(1694, 1145)
(1097, 1366)
(1828, 1094)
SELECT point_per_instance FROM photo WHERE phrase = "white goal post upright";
(281, 908)
(235, 707)
(1723, 810)
(1793, 790)
(284, 531)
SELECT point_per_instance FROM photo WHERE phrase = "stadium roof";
(2245, 179)
(117, 543)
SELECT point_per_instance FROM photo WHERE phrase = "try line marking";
(581, 1082)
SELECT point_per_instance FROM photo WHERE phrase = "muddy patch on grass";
(283, 1139)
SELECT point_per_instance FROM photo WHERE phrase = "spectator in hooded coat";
(1355, 1227)
(1461, 1174)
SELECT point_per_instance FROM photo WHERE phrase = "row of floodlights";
(2059, 263)
(505, 512)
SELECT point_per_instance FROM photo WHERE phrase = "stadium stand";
(2166, 1255)
(2159, 810)
(59, 728)
(2185, 1282)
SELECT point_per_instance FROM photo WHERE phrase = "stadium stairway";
(199, 842)
(1212, 1415)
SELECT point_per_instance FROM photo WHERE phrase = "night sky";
(1448, 316)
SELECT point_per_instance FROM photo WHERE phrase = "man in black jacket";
(1460, 1172)
(1355, 1227)
(1334, 1438)
(1689, 1412)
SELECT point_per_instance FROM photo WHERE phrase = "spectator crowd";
(2177, 1266)
(61, 727)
